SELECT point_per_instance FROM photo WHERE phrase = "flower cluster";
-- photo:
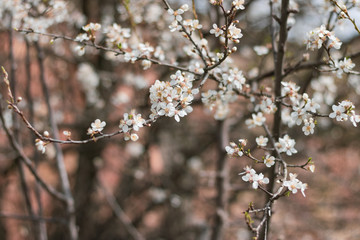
(251, 176)
(89, 35)
(290, 90)
(266, 105)
(172, 99)
(345, 111)
(318, 36)
(40, 145)
(236, 149)
(342, 66)
(256, 120)
(192, 25)
(238, 4)
(233, 79)
(303, 108)
(37, 15)
(174, 26)
(117, 36)
(294, 184)
(130, 122)
(91, 27)
(286, 145)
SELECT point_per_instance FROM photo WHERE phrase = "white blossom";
(262, 141)
(40, 145)
(269, 160)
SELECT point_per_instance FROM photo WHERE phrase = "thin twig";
(99, 47)
(70, 205)
(28, 162)
(33, 218)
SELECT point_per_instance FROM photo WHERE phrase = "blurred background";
(164, 183)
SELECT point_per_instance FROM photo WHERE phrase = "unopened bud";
(46, 134)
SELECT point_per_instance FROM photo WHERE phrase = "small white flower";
(216, 30)
(294, 184)
(234, 33)
(269, 160)
(238, 4)
(343, 66)
(261, 141)
(251, 177)
(258, 118)
(91, 27)
(98, 125)
(134, 137)
(338, 113)
(308, 127)
(286, 144)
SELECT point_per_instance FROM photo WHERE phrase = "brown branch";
(41, 224)
(70, 205)
(28, 162)
(222, 181)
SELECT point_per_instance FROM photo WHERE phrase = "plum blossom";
(192, 24)
(309, 126)
(131, 121)
(339, 113)
(286, 145)
(235, 149)
(117, 36)
(262, 141)
(91, 27)
(251, 176)
(96, 127)
(234, 33)
(342, 66)
(269, 160)
(345, 111)
(266, 105)
(177, 14)
(318, 36)
(257, 120)
(238, 4)
(294, 184)
(216, 30)
(172, 99)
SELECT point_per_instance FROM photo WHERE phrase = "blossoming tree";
(209, 70)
